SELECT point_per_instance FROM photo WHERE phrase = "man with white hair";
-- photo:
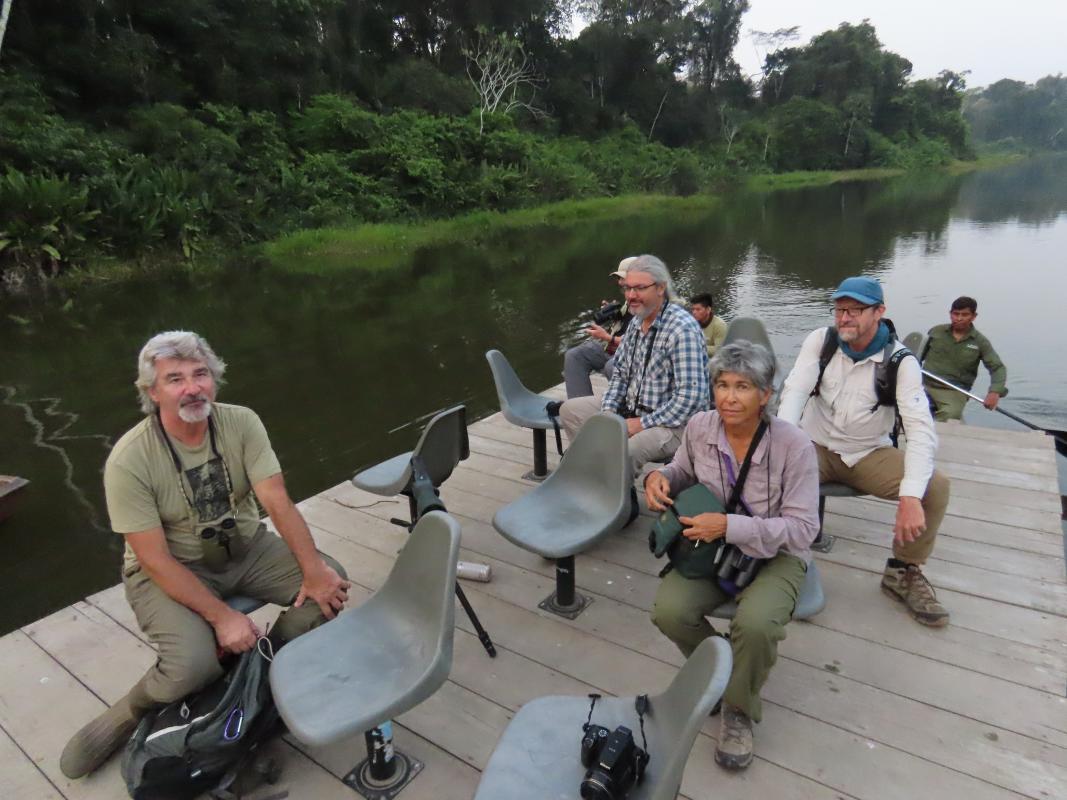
(597, 353)
(661, 368)
(179, 488)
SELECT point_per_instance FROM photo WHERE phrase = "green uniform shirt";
(958, 361)
(714, 334)
(142, 489)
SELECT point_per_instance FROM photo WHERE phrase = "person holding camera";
(661, 375)
(838, 392)
(179, 488)
(597, 352)
(765, 470)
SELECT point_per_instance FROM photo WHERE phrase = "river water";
(345, 366)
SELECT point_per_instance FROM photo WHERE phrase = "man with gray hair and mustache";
(661, 368)
(179, 488)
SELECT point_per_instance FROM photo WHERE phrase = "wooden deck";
(863, 703)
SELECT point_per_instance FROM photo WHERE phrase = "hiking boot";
(91, 746)
(735, 739)
(908, 585)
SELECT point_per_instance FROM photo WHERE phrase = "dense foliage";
(139, 130)
(1011, 112)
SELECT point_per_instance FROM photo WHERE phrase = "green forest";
(161, 132)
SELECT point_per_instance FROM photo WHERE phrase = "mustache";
(200, 398)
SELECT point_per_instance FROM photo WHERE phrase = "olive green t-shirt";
(714, 334)
(142, 489)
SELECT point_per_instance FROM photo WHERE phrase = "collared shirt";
(781, 490)
(957, 362)
(715, 334)
(664, 369)
(844, 418)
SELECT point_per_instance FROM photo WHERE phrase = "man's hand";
(596, 332)
(991, 400)
(910, 522)
(235, 632)
(705, 527)
(634, 426)
(326, 588)
(658, 491)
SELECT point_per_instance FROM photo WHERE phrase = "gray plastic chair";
(824, 542)
(537, 756)
(243, 604)
(811, 600)
(584, 500)
(370, 663)
(749, 329)
(524, 408)
(442, 445)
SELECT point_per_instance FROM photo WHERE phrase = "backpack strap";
(829, 347)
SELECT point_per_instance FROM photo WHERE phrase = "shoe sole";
(930, 622)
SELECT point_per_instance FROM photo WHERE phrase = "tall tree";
(715, 26)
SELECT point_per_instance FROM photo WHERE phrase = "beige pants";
(880, 474)
(186, 642)
(653, 444)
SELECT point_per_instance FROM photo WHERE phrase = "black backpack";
(201, 744)
(885, 372)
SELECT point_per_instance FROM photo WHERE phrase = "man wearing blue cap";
(834, 396)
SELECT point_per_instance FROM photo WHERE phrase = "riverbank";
(376, 247)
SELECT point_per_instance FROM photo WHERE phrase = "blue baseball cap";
(866, 290)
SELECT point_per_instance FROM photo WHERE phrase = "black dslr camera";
(612, 312)
(613, 761)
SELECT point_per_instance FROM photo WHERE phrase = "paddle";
(913, 341)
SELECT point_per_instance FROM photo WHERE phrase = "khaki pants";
(763, 609)
(880, 474)
(653, 444)
(946, 403)
(186, 642)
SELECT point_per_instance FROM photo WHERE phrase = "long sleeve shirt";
(844, 418)
(662, 373)
(781, 490)
(957, 362)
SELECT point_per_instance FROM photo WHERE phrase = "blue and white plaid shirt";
(668, 386)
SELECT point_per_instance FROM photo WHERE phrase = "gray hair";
(184, 345)
(651, 265)
(753, 361)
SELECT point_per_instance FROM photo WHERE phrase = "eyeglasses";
(627, 289)
(848, 311)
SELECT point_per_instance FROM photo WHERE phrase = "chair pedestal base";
(823, 543)
(565, 602)
(551, 604)
(385, 770)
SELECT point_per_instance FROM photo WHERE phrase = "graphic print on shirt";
(211, 497)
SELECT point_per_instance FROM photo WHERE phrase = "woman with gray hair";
(775, 519)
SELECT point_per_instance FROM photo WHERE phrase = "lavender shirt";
(782, 488)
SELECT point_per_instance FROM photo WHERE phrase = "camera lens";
(228, 524)
(208, 533)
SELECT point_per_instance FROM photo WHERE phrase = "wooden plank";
(1005, 476)
(20, 777)
(622, 625)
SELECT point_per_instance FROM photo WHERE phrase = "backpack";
(885, 373)
(201, 743)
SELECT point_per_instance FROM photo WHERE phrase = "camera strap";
(552, 408)
(739, 483)
(640, 706)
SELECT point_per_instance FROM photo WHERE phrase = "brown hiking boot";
(735, 739)
(91, 746)
(909, 586)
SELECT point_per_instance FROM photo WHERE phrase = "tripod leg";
(483, 637)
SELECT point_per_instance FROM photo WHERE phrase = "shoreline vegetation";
(379, 246)
(348, 128)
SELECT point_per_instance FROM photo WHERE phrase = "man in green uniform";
(952, 352)
(702, 308)
(179, 488)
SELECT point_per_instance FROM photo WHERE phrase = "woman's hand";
(657, 491)
(704, 527)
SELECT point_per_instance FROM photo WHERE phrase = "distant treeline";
(1012, 114)
(137, 131)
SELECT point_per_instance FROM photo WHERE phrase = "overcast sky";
(1023, 39)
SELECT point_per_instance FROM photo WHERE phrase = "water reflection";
(339, 365)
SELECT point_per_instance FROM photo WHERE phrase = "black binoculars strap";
(735, 495)
(552, 409)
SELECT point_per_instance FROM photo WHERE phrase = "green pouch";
(691, 559)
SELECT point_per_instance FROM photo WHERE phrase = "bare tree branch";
(499, 69)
